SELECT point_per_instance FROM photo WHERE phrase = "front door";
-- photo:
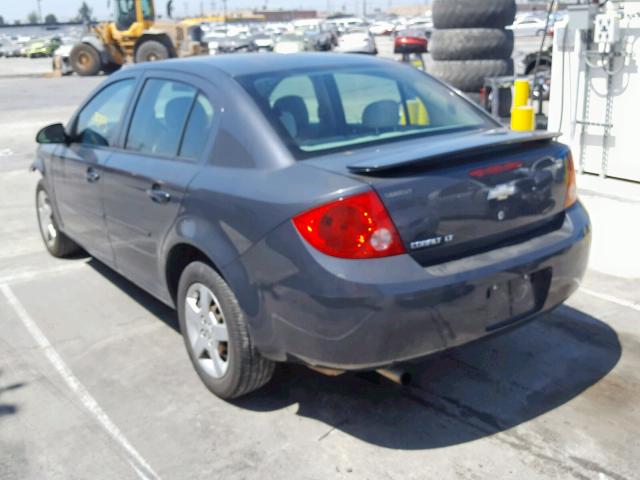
(80, 166)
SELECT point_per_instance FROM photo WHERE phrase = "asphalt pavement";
(95, 382)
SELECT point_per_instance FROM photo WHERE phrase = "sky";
(65, 9)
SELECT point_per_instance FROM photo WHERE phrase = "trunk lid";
(461, 194)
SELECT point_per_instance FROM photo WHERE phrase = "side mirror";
(52, 134)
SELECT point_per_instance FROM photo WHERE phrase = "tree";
(17, 22)
(84, 13)
(50, 19)
(1, 20)
(33, 17)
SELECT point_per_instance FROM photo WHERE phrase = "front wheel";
(216, 335)
(85, 60)
(57, 243)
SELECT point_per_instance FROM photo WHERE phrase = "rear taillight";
(351, 227)
(570, 181)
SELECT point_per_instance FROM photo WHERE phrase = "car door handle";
(92, 175)
(158, 195)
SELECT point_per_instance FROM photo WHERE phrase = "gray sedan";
(341, 211)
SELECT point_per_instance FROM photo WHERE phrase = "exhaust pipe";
(401, 377)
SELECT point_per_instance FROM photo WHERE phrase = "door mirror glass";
(52, 134)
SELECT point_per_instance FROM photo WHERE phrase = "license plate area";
(510, 300)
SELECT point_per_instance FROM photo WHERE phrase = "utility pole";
(39, 10)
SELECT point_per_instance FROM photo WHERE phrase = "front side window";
(160, 116)
(99, 121)
(323, 110)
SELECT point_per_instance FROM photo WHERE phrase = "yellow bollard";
(521, 93)
(523, 118)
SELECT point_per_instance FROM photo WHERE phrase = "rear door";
(78, 167)
(144, 183)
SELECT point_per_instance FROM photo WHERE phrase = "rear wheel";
(216, 334)
(57, 243)
(85, 60)
(151, 51)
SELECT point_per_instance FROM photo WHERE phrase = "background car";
(292, 43)
(264, 42)
(43, 48)
(61, 55)
(528, 27)
(357, 40)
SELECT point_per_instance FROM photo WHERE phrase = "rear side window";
(99, 120)
(160, 116)
(198, 128)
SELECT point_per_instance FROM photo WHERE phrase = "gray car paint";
(236, 203)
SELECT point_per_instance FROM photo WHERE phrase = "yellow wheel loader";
(136, 36)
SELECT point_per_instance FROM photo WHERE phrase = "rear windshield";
(317, 111)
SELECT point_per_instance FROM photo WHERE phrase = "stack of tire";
(470, 43)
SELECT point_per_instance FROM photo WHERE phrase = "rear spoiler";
(435, 149)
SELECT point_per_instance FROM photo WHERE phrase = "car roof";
(254, 63)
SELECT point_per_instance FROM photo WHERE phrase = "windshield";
(321, 110)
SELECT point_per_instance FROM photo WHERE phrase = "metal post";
(607, 129)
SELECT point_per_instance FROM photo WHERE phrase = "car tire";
(469, 75)
(56, 242)
(150, 51)
(228, 368)
(473, 13)
(85, 60)
(471, 44)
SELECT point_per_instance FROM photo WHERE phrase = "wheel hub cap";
(45, 218)
(207, 330)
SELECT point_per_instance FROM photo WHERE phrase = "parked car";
(409, 41)
(61, 55)
(264, 42)
(292, 43)
(10, 50)
(382, 28)
(231, 44)
(358, 40)
(43, 48)
(528, 27)
(291, 208)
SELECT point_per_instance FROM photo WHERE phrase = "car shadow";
(144, 299)
(457, 396)
(7, 408)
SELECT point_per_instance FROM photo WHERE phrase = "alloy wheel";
(207, 330)
(45, 218)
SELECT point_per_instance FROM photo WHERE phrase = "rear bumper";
(356, 315)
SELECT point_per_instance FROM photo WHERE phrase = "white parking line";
(610, 298)
(31, 274)
(139, 464)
